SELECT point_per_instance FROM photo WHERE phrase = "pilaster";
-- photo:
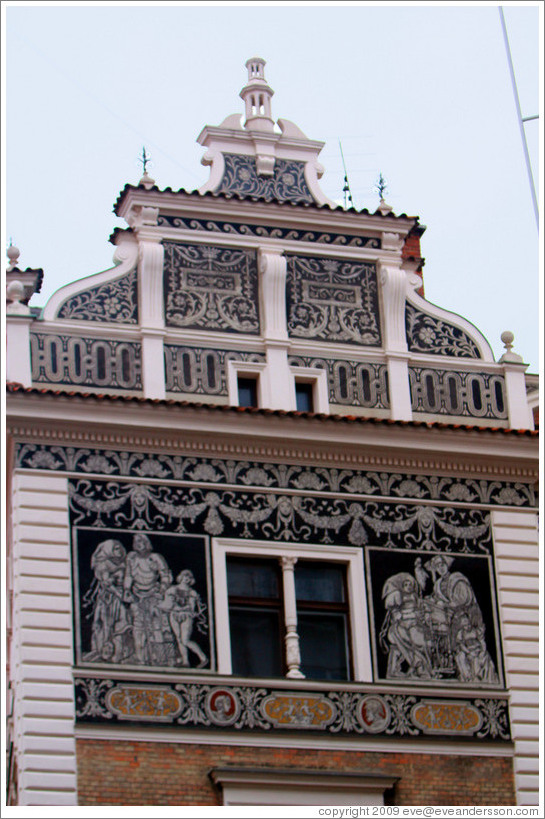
(151, 313)
(18, 321)
(393, 289)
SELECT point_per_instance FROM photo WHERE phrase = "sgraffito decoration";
(448, 392)
(433, 336)
(92, 362)
(249, 513)
(266, 232)
(287, 184)
(201, 371)
(251, 708)
(142, 599)
(433, 617)
(115, 301)
(210, 288)
(333, 300)
(360, 384)
(313, 480)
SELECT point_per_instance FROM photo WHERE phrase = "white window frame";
(247, 369)
(318, 378)
(350, 556)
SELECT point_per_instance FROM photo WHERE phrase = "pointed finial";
(146, 181)
(508, 337)
(13, 254)
(381, 188)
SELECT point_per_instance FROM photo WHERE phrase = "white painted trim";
(318, 378)
(357, 596)
(44, 709)
(252, 369)
(275, 740)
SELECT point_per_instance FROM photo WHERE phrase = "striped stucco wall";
(517, 552)
(41, 652)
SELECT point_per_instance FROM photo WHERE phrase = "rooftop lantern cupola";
(257, 96)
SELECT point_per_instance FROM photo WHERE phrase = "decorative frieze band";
(262, 708)
(293, 477)
(66, 359)
(266, 232)
(445, 392)
(361, 384)
(201, 371)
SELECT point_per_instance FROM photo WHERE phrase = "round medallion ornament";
(222, 706)
(373, 714)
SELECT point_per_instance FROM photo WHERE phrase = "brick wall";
(159, 773)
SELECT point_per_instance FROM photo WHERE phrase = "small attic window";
(247, 391)
(304, 397)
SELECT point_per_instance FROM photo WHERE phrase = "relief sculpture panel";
(143, 599)
(434, 618)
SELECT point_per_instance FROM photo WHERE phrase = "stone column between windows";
(293, 654)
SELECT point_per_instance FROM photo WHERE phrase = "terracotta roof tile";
(13, 387)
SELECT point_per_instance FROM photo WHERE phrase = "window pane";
(247, 392)
(255, 642)
(322, 641)
(253, 578)
(319, 582)
(303, 396)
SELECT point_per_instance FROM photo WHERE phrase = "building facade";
(272, 515)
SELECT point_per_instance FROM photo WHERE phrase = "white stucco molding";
(393, 289)
(125, 258)
(18, 365)
(272, 292)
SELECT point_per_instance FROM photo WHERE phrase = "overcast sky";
(420, 93)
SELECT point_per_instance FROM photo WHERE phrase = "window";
(303, 396)
(247, 391)
(255, 617)
(320, 594)
(290, 611)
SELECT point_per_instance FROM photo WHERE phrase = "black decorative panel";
(246, 512)
(433, 336)
(142, 598)
(446, 392)
(262, 708)
(73, 360)
(433, 617)
(333, 300)
(288, 233)
(287, 184)
(211, 288)
(361, 384)
(114, 301)
(217, 472)
(201, 371)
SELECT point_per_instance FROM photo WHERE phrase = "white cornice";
(73, 419)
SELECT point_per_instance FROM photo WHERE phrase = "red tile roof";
(13, 387)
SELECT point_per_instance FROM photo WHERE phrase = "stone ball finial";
(509, 357)
(507, 337)
(13, 254)
(15, 290)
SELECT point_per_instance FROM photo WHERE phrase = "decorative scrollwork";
(433, 336)
(114, 301)
(287, 184)
(333, 300)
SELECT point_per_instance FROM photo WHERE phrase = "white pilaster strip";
(517, 552)
(42, 655)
